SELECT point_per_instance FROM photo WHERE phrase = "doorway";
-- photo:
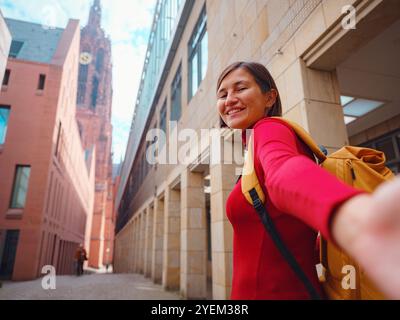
(9, 254)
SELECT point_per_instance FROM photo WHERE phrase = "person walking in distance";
(80, 257)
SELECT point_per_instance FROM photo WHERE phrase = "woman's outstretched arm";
(367, 227)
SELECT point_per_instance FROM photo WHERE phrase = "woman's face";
(240, 101)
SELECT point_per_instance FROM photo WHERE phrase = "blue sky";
(128, 22)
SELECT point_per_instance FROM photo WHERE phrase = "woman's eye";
(241, 89)
(222, 96)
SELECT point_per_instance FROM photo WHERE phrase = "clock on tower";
(85, 58)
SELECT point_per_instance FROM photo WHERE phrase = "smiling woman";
(299, 199)
(252, 84)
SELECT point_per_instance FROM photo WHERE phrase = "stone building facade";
(46, 186)
(338, 80)
(94, 104)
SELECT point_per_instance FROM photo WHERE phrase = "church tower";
(94, 102)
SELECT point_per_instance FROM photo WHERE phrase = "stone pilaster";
(137, 248)
(171, 250)
(131, 246)
(193, 236)
(158, 238)
(309, 95)
(148, 242)
(142, 240)
(222, 182)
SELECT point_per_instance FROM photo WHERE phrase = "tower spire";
(95, 14)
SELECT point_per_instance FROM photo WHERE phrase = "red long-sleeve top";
(300, 197)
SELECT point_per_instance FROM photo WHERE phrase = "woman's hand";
(368, 228)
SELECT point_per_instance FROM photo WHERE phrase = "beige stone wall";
(279, 34)
(306, 94)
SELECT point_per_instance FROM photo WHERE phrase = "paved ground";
(89, 287)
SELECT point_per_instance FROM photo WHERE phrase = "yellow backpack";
(361, 168)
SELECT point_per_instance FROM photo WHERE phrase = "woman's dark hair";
(262, 77)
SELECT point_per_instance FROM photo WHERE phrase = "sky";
(127, 22)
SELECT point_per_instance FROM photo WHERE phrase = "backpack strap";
(254, 194)
(283, 249)
(304, 136)
(249, 177)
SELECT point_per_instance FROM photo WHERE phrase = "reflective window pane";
(204, 55)
(360, 107)
(15, 48)
(198, 54)
(194, 75)
(20, 190)
(4, 115)
(176, 98)
(345, 100)
(398, 143)
(163, 125)
(163, 118)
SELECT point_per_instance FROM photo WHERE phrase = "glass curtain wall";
(164, 23)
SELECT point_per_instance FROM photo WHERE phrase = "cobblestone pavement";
(89, 287)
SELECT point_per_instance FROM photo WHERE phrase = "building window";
(390, 145)
(83, 73)
(6, 78)
(42, 81)
(176, 96)
(95, 90)
(100, 60)
(80, 129)
(58, 139)
(87, 154)
(163, 118)
(20, 189)
(82, 82)
(15, 49)
(81, 93)
(4, 115)
(151, 147)
(163, 123)
(355, 108)
(198, 54)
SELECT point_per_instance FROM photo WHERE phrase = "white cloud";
(128, 22)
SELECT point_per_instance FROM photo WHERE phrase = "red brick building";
(94, 119)
(46, 186)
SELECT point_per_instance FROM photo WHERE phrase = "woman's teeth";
(234, 111)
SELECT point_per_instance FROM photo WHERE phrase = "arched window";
(80, 129)
(95, 92)
(83, 72)
(82, 81)
(100, 60)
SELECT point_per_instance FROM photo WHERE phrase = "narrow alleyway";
(89, 287)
